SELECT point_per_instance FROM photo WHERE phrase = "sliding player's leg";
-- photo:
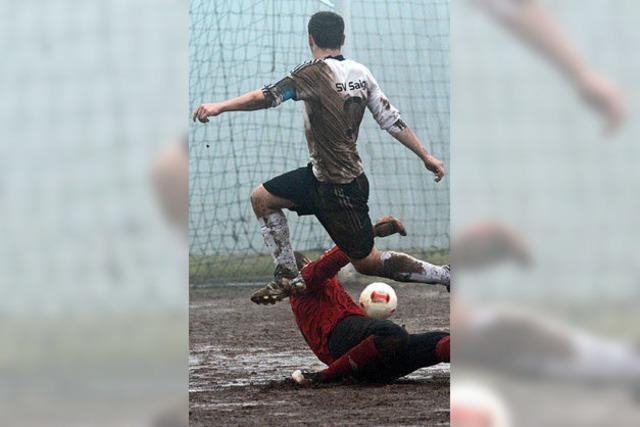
(377, 351)
(422, 350)
(359, 345)
(401, 267)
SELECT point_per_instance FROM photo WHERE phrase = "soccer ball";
(379, 300)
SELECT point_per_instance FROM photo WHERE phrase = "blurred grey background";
(92, 278)
(531, 155)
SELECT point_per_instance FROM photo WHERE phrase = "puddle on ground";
(213, 367)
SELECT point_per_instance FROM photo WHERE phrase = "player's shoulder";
(331, 61)
(307, 66)
(355, 65)
(358, 70)
(348, 63)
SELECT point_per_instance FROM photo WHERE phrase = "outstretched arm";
(267, 97)
(254, 100)
(324, 268)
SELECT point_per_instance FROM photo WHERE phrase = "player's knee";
(255, 196)
(392, 339)
(362, 267)
(258, 199)
(368, 266)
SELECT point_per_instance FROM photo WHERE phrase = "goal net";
(238, 46)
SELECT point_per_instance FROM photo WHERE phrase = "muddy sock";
(443, 349)
(356, 359)
(275, 231)
(405, 268)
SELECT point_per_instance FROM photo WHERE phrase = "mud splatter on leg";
(275, 231)
(405, 268)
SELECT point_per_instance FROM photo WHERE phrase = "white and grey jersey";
(335, 92)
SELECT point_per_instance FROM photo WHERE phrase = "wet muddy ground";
(242, 355)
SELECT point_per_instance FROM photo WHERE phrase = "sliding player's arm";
(325, 267)
(388, 117)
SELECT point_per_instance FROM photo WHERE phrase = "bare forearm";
(250, 101)
(409, 139)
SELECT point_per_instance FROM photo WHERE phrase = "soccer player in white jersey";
(333, 186)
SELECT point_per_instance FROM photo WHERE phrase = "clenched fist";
(436, 166)
(204, 111)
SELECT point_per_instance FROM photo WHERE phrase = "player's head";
(301, 260)
(326, 31)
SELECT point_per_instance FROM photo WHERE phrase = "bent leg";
(361, 345)
(275, 229)
(422, 350)
(379, 350)
(401, 267)
(265, 203)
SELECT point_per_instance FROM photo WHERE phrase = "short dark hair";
(327, 29)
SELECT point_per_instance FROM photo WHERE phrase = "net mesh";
(239, 46)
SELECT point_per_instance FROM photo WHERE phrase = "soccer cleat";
(282, 272)
(278, 290)
(388, 225)
(306, 377)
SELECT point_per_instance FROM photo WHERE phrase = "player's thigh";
(344, 212)
(348, 333)
(291, 190)
(261, 196)
(420, 352)
(389, 337)
(351, 331)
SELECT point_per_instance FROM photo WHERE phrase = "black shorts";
(342, 209)
(352, 330)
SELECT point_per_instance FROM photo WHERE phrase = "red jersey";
(324, 303)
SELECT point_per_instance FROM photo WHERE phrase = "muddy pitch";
(242, 355)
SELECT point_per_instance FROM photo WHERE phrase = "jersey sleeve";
(324, 268)
(300, 85)
(279, 92)
(387, 116)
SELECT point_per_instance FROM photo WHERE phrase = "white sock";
(405, 268)
(275, 231)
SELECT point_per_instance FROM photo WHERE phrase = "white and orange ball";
(378, 300)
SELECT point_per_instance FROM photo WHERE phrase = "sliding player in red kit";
(339, 332)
